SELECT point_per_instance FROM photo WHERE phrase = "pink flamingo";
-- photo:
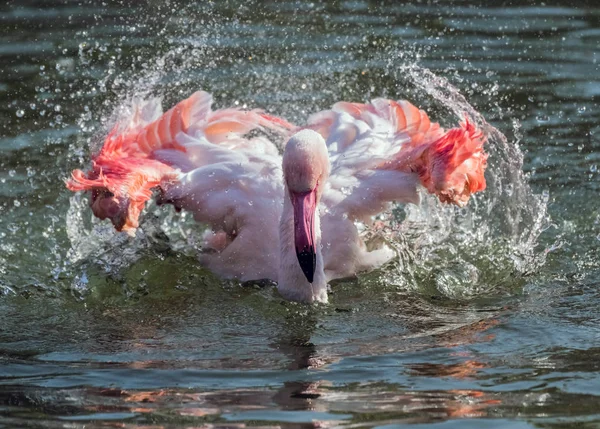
(347, 165)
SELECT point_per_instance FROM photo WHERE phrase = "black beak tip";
(308, 263)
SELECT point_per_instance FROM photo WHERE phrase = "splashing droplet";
(542, 119)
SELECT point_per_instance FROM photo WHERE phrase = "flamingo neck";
(291, 282)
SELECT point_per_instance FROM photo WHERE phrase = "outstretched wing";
(382, 150)
(177, 152)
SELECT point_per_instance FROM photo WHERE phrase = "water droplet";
(594, 168)
(57, 108)
(509, 189)
(20, 113)
(542, 119)
(17, 203)
(12, 173)
(581, 109)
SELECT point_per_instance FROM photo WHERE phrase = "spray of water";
(487, 247)
(459, 253)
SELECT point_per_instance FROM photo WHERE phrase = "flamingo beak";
(305, 205)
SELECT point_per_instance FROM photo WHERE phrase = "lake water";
(488, 318)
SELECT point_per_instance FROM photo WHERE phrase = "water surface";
(489, 317)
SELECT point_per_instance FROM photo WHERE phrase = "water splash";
(492, 244)
(456, 252)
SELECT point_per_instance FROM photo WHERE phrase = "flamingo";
(292, 217)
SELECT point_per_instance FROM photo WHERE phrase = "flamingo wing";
(152, 151)
(381, 151)
(202, 161)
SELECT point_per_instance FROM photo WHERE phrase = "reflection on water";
(479, 322)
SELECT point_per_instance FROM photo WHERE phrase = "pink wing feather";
(126, 169)
(396, 135)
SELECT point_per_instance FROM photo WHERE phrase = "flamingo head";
(306, 169)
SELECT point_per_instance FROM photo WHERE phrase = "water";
(489, 317)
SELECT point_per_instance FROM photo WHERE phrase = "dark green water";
(489, 318)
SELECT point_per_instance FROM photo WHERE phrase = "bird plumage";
(204, 161)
